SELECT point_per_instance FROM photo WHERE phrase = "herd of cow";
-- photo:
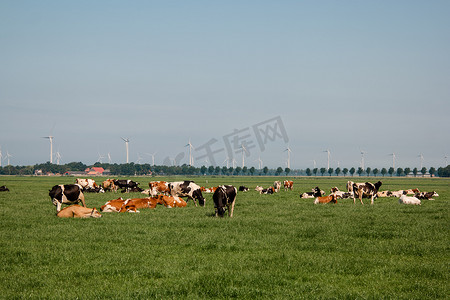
(169, 194)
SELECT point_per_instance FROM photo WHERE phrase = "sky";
(313, 76)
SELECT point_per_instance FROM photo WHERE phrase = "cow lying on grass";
(77, 211)
(409, 200)
(326, 199)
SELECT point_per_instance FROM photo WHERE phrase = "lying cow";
(209, 190)
(108, 185)
(224, 197)
(187, 189)
(243, 189)
(398, 193)
(384, 194)
(77, 211)
(3, 188)
(409, 200)
(66, 194)
(340, 194)
(366, 190)
(315, 192)
(169, 201)
(426, 196)
(132, 205)
(113, 205)
(262, 190)
(89, 185)
(327, 199)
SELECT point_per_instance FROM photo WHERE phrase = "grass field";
(275, 247)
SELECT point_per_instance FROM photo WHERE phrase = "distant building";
(94, 171)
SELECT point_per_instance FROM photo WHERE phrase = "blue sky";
(348, 76)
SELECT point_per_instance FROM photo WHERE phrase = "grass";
(275, 247)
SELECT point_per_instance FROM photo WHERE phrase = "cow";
(384, 194)
(316, 192)
(224, 197)
(268, 191)
(138, 203)
(412, 191)
(170, 201)
(366, 190)
(426, 196)
(66, 194)
(89, 185)
(398, 193)
(159, 187)
(288, 185)
(3, 188)
(339, 194)
(409, 200)
(126, 185)
(327, 199)
(209, 190)
(187, 189)
(276, 186)
(77, 211)
(259, 189)
(243, 189)
(113, 205)
(108, 184)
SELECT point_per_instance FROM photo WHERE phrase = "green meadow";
(275, 247)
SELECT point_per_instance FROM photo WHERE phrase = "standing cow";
(366, 190)
(66, 194)
(187, 189)
(224, 197)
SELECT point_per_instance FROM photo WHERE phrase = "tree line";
(132, 169)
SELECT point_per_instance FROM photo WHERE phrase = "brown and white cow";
(366, 190)
(139, 203)
(66, 194)
(89, 185)
(171, 201)
(159, 187)
(326, 199)
(113, 205)
(288, 185)
(187, 189)
(77, 211)
(276, 186)
(108, 184)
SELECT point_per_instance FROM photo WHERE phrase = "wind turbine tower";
(1, 156)
(421, 160)
(289, 157)
(244, 150)
(51, 146)
(362, 159)
(191, 159)
(126, 140)
(393, 160)
(328, 161)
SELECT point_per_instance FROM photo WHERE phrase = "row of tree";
(147, 169)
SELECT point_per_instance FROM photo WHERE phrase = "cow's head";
(377, 185)
(197, 194)
(95, 213)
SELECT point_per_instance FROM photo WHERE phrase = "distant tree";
(399, 171)
(330, 171)
(415, 171)
(337, 171)
(391, 171)
(278, 171)
(224, 170)
(383, 171)
(265, 170)
(423, 171)
(368, 171)
(352, 171)
(444, 172)
(230, 170)
(211, 170)
(375, 172)
(315, 170)
(252, 170)
(287, 171)
(432, 171)
(407, 171)
(217, 170)
(360, 171)
(345, 171)
(244, 170)
(237, 170)
(308, 172)
(203, 169)
(322, 171)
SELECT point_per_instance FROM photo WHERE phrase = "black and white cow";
(187, 189)
(366, 190)
(243, 189)
(126, 185)
(3, 188)
(315, 192)
(224, 197)
(426, 195)
(66, 194)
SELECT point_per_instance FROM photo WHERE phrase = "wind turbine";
(1, 156)
(153, 157)
(100, 157)
(109, 158)
(421, 160)
(260, 163)
(191, 159)
(58, 158)
(393, 160)
(227, 160)
(7, 157)
(445, 157)
(289, 157)
(126, 140)
(362, 159)
(139, 159)
(51, 146)
(314, 163)
(244, 150)
(328, 162)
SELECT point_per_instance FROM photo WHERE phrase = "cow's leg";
(232, 209)
(81, 197)
(360, 198)
(217, 212)
(371, 199)
(58, 206)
